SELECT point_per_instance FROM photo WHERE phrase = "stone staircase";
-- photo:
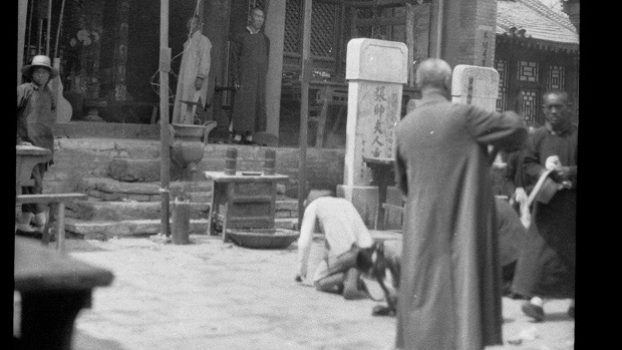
(119, 208)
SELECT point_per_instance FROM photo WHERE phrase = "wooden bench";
(53, 289)
(55, 201)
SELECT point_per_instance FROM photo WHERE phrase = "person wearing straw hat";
(35, 118)
(194, 70)
(344, 233)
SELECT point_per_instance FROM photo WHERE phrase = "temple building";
(109, 51)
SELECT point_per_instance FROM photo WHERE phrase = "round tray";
(262, 238)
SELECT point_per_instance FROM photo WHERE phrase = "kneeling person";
(344, 233)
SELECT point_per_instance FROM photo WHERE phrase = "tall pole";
(165, 159)
(21, 32)
(49, 30)
(60, 25)
(439, 29)
(304, 107)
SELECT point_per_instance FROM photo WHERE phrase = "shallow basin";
(263, 238)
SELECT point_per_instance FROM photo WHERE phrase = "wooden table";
(53, 289)
(383, 176)
(26, 157)
(242, 201)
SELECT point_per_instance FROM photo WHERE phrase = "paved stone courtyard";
(215, 295)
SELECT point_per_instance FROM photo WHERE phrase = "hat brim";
(27, 70)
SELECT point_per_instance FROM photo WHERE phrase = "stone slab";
(134, 170)
(121, 189)
(286, 223)
(125, 210)
(108, 229)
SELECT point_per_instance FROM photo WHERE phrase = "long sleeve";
(531, 162)
(306, 238)
(205, 60)
(505, 131)
(236, 52)
(23, 95)
(401, 177)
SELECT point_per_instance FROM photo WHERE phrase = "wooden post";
(60, 237)
(49, 30)
(165, 158)
(439, 29)
(410, 41)
(21, 32)
(304, 107)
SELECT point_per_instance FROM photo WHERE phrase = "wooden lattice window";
(529, 101)
(556, 78)
(323, 20)
(502, 67)
(528, 71)
(293, 27)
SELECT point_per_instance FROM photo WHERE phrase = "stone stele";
(376, 71)
(478, 86)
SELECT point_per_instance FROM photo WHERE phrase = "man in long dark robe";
(546, 264)
(251, 49)
(450, 286)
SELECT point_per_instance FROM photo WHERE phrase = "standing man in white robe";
(193, 73)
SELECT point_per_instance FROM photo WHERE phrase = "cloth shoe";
(23, 223)
(534, 311)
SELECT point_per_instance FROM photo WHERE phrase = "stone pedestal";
(376, 71)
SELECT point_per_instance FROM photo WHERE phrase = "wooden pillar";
(304, 106)
(22, 10)
(275, 31)
(410, 41)
(216, 27)
(165, 158)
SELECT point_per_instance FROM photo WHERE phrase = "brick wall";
(469, 32)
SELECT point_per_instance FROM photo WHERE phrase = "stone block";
(108, 229)
(134, 170)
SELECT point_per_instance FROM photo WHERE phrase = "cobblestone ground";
(215, 295)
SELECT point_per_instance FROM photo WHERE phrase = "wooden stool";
(56, 201)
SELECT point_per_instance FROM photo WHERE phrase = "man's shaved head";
(434, 73)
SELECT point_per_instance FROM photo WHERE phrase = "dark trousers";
(37, 175)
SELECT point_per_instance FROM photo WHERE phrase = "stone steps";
(103, 229)
(96, 210)
(286, 223)
(106, 229)
(108, 189)
(117, 208)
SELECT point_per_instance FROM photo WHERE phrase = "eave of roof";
(538, 22)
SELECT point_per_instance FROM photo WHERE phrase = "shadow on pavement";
(83, 341)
